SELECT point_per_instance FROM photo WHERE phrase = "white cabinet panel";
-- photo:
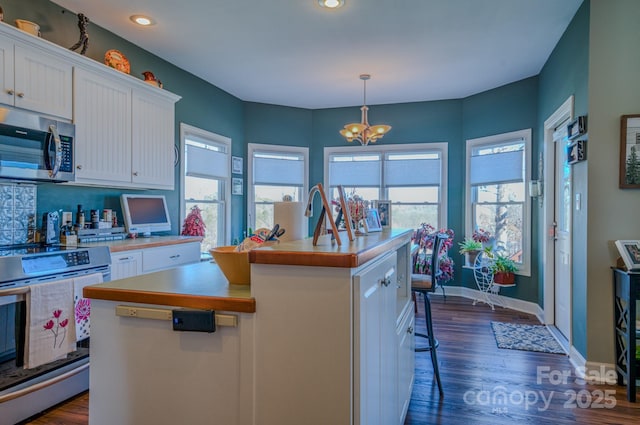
(405, 341)
(126, 264)
(153, 141)
(102, 114)
(165, 257)
(35, 80)
(375, 352)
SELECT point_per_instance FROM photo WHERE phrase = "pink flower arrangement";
(424, 237)
(481, 235)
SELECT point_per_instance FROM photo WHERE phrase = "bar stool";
(424, 284)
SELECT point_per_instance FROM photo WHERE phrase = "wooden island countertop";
(200, 286)
(328, 253)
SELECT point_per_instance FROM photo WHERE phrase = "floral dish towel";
(83, 305)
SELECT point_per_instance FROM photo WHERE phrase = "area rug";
(525, 337)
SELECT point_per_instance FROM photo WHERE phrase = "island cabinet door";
(375, 357)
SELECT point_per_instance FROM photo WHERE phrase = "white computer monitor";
(145, 213)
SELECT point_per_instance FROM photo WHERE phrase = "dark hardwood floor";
(482, 383)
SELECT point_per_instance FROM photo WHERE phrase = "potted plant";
(503, 269)
(470, 248)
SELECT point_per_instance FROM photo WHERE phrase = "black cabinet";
(627, 290)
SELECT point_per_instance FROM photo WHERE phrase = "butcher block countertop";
(142, 243)
(328, 253)
(199, 286)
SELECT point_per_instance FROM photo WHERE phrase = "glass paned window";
(411, 176)
(206, 181)
(275, 172)
(497, 179)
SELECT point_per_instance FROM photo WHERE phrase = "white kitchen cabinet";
(102, 115)
(35, 79)
(152, 148)
(165, 257)
(375, 343)
(125, 135)
(126, 264)
(405, 343)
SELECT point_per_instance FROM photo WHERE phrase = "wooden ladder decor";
(326, 211)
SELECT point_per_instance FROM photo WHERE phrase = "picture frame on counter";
(384, 211)
(630, 253)
(237, 164)
(372, 221)
(236, 186)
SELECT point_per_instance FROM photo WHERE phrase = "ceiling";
(296, 53)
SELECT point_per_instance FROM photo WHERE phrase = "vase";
(504, 278)
(470, 257)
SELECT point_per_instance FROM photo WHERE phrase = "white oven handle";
(43, 384)
(14, 291)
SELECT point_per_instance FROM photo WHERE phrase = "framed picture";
(384, 210)
(372, 221)
(236, 186)
(630, 152)
(236, 165)
(630, 253)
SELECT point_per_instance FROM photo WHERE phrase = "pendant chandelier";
(363, 132)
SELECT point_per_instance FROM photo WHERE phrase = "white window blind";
(353, 171)
(278, 169)
(502, 167)
(412, 171)
(203, 162)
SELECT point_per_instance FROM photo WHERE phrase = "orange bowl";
(234, 265)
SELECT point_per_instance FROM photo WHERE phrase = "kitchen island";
(323, 335)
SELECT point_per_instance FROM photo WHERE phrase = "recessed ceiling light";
(331, 4)
(145, 21)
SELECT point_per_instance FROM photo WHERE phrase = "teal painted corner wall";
(566, 73)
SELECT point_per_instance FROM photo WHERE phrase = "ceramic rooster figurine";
(149, 78)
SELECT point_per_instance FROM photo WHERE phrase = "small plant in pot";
(503, 269)
(470, 249)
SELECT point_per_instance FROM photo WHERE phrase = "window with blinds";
(206, 181)
(274, 172)
(412, 177)
(497, 177)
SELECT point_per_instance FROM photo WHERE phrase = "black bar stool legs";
(433, 342)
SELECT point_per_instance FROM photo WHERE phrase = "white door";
(562, 267)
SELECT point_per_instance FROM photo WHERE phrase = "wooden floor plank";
(482, 383)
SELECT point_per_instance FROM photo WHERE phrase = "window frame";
(261, 147)
(185, 131)
(442, 147)
(471, 144)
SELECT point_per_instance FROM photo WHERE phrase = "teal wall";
(515, 106)
(564, 74)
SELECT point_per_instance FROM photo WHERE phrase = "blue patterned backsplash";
(17, 213)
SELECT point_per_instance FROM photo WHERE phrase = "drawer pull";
(125, 258)
(173, 257)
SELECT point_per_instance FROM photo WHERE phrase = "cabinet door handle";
(386, 282)
(410, 330)
(10, 92)
(20, 94)
(79, 167)
(135, 173)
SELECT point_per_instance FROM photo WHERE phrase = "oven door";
(26, 392)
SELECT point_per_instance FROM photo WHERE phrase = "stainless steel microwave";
(36, 148)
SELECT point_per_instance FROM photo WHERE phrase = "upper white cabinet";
(152, 148)
(102, 114)
(125, 129)
(125, 134)
(35, 79)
